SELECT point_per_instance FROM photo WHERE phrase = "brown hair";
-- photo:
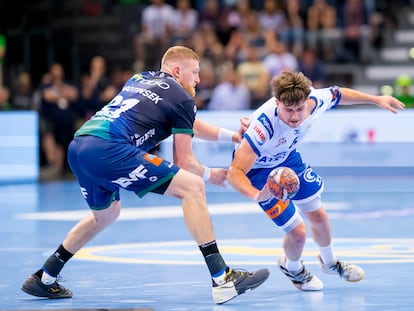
(291, 87)
(178, 53)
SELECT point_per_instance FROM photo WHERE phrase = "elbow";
(230, 175)
(184, 163)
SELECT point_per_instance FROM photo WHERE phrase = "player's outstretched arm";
(207, 131)
(185, 159)
(352, 97)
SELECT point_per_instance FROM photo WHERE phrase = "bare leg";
(90, 226)
(294, 242)
(320, 226)
(190, 188)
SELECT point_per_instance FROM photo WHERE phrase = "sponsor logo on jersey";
(136, 174)
(155, 82)
(276, 158)
(141, 139)
(281, 141)
(266, 123)
(335, 93)
(259, 135)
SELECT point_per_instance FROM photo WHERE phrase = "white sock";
(47, 279)
(327, 254)
(293, 265)
(220, 279)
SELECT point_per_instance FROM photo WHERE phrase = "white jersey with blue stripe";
(273, 140)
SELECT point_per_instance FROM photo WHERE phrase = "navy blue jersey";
(150, 107)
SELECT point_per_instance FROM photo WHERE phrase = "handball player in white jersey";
(274, 131)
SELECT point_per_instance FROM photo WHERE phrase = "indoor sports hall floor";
(147, 260)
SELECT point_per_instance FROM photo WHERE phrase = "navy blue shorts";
(102, 167)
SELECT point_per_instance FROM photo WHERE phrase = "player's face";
(292, 115)
(189, 76)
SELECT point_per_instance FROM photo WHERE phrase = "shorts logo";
(84, 192)
(138, 173)
(310, 176)
(153, 159)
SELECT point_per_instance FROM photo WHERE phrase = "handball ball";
(283, 183)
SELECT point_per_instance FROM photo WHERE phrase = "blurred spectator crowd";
(242, 44)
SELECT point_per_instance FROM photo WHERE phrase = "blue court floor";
(147, 259)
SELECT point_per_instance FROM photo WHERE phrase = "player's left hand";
(244, 124)
(390, 103)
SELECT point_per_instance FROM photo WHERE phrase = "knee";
(194, 186)
(318, 217)
(298, 234)
(109, 215)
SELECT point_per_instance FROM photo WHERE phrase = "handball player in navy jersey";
(111, 151)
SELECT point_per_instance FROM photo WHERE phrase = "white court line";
(169, 211)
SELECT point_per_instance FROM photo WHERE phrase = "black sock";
(54, 264)
(212, 256)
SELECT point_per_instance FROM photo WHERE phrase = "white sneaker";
(238, 282)
(301, 279)
(346, 270)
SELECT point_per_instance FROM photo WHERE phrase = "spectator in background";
(234, 49)
(56, 121)
(322, 29)
(119, 77)
(255, 76)
(312, 67)
(292, 32)
(355, 31)
(230, 93)
(155, 34)
(210, 13)
(272, 17)
(184, 22)
(279, 58)
(206, 85)
(96, 89)
(403, 91)
(238, 15)
(4, 98)
(22, 98)
(253, 33)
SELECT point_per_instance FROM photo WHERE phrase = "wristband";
(207, 173)
(225, 135)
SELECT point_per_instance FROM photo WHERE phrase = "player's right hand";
(263, 195)
(217, 176)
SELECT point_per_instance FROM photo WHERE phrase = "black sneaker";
(34, 286)
(237, 283)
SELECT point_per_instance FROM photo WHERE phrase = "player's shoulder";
(332, 90)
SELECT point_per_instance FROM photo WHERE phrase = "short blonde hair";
(291, 87)
(178, 53)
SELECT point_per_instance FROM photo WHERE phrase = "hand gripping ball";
(283, 183)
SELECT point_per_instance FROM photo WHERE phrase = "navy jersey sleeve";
(183, 117)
